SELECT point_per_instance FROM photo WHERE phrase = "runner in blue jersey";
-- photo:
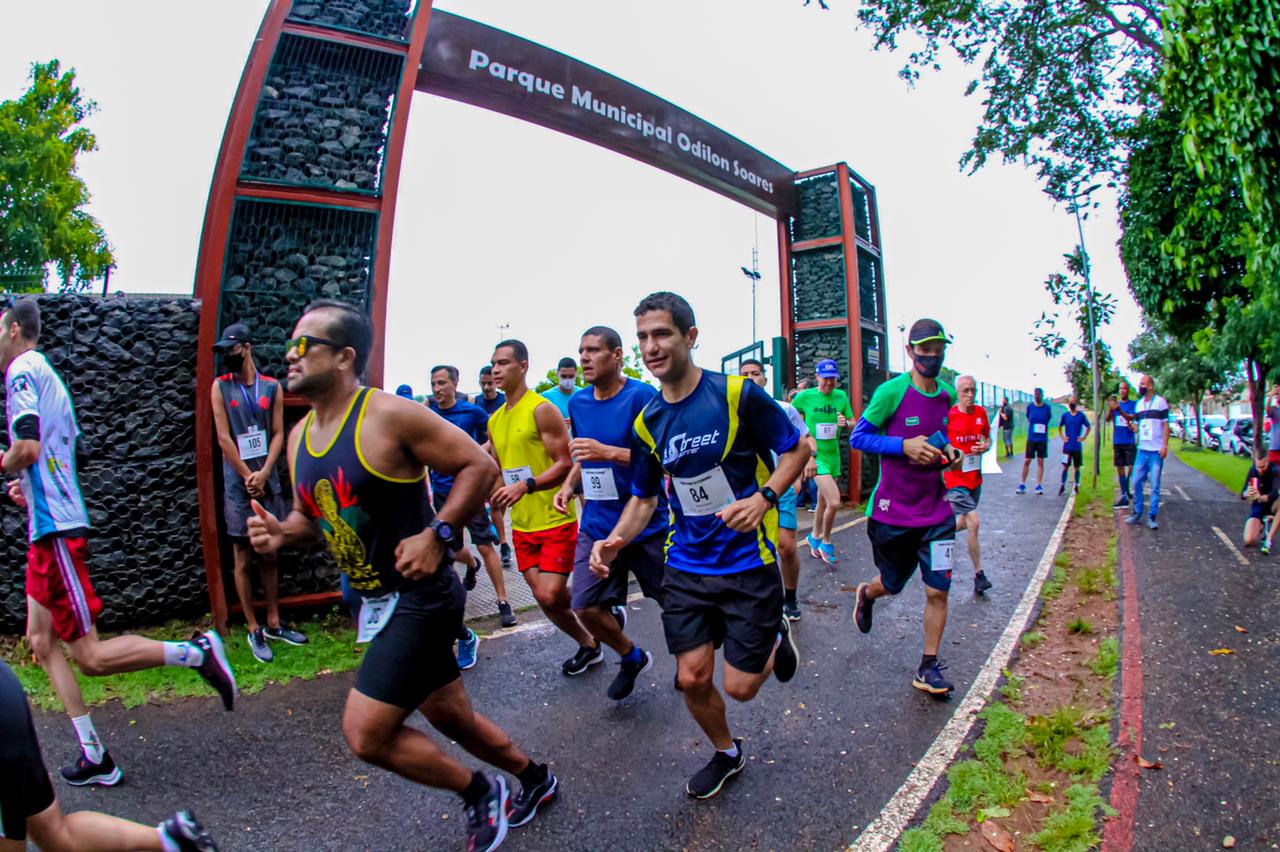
(1124, 441)
(1039, 413)
(491, 399)
(602, 414)
(472, 420)
(909, 521)
(714, 435)
(1073, 428)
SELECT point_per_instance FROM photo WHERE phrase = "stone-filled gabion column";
(383, 18)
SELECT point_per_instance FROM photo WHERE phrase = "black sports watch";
(443, 529)
(770, 495)
(531, 484)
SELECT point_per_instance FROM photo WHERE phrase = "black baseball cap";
(924, 330)
(235, 333)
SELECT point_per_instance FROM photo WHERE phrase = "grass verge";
(1228, 470)
(331, 649)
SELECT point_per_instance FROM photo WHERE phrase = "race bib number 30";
(512, 475)
(940, 553)
(374, 615)
(827, 431)
(598, 484)
(705, 494)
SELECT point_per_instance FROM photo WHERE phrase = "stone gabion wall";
(817, 208)
(282, 256)
(818, 284)
(870, 287)
(129, 365)
(384, 18)
(861, 211)
(322, 118)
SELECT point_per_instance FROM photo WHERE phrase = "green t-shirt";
(821, 414)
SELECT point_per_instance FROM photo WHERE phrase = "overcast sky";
(504, 224)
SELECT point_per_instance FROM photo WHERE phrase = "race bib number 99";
(598, 484)
(705, 494)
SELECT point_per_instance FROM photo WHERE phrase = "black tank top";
(363, 514)
(248, 407)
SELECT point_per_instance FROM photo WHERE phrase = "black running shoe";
(862, 609)
(487, 819)
(709, 779)
(84, 772)
(524, 805)
(215, 669)
(786, 659)
(583, 660)
(508, 617)
(187, 833)
(625, 681)
(287, 635)
(980, 583)
(1062, 489)
(469, 579)
(791, 611)
(930, 680)
(505, 552)
(620, 616)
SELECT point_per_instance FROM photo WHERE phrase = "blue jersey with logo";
(468, 417)
(1124, 436)
(609, 422)
(717, 445)
(1074, 426)
(1038, 417)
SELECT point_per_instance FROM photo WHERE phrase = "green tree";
(42, 198)
(632, 367)
(1062, 83)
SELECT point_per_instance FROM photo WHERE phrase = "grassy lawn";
(1226, 469)
(332, 649)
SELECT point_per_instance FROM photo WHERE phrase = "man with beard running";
(788, 557)
(714, 435)
(909, 521)
(358, 462)
(472, 420)
(602, 415)
(61, 603)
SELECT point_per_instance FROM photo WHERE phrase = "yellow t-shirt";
(515, 436)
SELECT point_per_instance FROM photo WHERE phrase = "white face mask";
(566, 385)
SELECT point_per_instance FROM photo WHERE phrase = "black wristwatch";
(531, 484)
(443, 529)
(769, 495)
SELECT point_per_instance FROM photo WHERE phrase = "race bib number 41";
(704, 494)
(940, 554)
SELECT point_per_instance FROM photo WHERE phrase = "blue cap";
(405, 391)
(828, 369)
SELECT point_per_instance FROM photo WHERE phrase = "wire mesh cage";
(388, 19)
(817, 208)
(818, 286)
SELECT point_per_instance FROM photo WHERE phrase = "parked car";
(1175, 425)
(1211, 426)
(1237, 437)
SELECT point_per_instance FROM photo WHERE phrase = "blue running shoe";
(467, 651)
(1040, 490)
(1022, 488)
(930, 680)
(828, 552)
(814, 546)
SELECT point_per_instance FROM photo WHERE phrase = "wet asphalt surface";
(825, 751)
(1220, 740)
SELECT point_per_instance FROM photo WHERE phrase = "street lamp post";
(754, 274)
(1093, 332)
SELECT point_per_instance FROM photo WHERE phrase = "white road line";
(901, 808)
(1231, 545)
(1185, 495)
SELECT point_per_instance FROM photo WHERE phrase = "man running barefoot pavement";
(826, 411)
(714, 435)
(788, 557)
(1039, 413)
(969, 431)
(1073, 428)
(530, 442)
(61, 603)
(358, 462)
(910, 522)
(29, 807)
(1124, 444)
(472, 420)
(1152, 416)
(602, 415)
(248, 414)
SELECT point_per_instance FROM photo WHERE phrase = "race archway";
(303, 197)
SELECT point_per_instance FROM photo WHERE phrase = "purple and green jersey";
(907, 495)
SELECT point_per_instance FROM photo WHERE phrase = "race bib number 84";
(705, 494)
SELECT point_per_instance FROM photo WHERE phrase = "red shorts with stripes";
(58, 579)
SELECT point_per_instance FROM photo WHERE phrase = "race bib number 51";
(704, 494)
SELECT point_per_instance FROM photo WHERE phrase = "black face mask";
(928, 366)
(234, 362)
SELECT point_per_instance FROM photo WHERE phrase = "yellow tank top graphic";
(520, 451)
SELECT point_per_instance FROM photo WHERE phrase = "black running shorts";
(645, 560)
(25, 790)
(898, 550)
(1037, 450)
(1124, 455)
(412, 656)
(480, 526)
(742, 612)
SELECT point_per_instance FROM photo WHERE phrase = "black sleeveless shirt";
(363, 514)
(249, 407)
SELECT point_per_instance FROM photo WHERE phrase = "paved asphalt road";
(826, 751)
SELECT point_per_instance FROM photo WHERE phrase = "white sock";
(89, 741)
(185, 654)
(167, 842)
(730, 752)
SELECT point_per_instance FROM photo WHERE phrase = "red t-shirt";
(963, 431)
